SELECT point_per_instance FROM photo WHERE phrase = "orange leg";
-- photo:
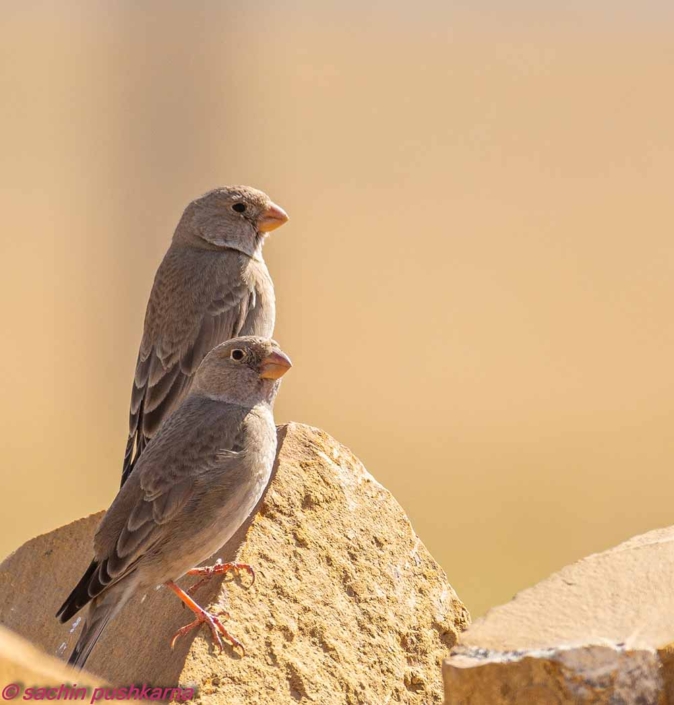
(203, 617)
(219, 569)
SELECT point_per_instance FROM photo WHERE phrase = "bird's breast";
(262, 310)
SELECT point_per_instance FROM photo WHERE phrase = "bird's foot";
(216, 627)
(219, 569)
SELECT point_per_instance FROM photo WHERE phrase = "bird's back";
(221, 455)
(200, 298)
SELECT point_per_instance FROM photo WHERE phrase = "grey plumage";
(194, 485)
(212, 285)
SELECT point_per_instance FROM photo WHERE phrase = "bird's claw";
(216, 628)
(219, 569)
(202, 616)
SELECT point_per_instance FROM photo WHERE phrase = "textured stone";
(601, 675)
(348, 606)
(598, 631)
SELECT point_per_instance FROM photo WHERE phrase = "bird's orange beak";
(272, 218)
(275, 365)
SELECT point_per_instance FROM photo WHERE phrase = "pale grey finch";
(193, 487)
(212, 285)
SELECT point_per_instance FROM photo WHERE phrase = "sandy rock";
(599, 631)
(601, 675)
(348, 606)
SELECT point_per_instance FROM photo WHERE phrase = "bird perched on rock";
(193, 487)
(212, 285)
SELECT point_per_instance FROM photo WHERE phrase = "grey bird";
(212, 285)
(193, 487)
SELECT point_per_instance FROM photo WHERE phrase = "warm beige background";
(476, 285)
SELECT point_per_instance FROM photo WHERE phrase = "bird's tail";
(101, 610)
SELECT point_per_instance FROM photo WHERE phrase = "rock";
(599, 631)
(348, 606)
(601, 675)
(21, 663)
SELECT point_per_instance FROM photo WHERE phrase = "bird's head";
(243, 371)
(234, 217)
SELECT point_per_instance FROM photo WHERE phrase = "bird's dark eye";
(237, 354)
(239, 207)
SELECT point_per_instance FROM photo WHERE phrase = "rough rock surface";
(348, 606)
(599, 631)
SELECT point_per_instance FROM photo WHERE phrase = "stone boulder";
(348, 605)
(24, 666)
(599, 631)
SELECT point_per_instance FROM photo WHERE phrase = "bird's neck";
(251, 250)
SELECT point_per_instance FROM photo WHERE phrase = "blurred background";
(481, 238)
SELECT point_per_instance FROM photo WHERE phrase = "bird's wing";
(195, 441)
(166, 364)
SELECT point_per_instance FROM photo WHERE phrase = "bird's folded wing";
(140, 516)
(165, 367)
